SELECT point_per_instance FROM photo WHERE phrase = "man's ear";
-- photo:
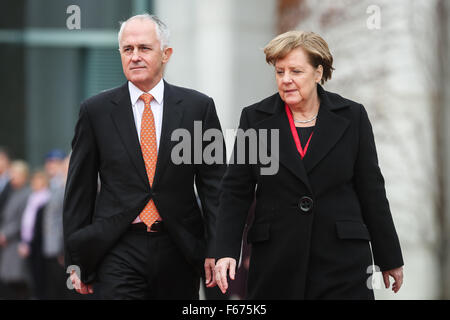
(167, 53)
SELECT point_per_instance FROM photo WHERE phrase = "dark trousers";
(16, 291)
(56, 278)
(146, 265)
(38, 276)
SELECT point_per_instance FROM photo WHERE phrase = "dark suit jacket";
(323, 250)
(106, 146)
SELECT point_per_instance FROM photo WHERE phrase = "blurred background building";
(392, 56)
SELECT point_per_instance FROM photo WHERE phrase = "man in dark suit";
(5, 191)
(143, 235)
(5, 186)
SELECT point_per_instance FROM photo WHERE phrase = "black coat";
(106, 145)
(315, 217)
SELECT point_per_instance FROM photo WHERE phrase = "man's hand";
(79, 286)
(3, 240)
(397, 274)
(210, 278)
(222, 266)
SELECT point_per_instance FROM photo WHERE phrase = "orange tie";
(149, 150)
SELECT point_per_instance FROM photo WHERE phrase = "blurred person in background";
(54, 162)
(5, 162)
(5, 188)
(52, 234)
(30, 247)
(320, 217)
(13, 271)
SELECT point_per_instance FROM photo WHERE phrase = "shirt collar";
(157, 92)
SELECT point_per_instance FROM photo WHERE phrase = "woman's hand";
(222, 267)
(23, 249)
(397, 274)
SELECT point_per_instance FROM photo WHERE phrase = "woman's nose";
(287, 78)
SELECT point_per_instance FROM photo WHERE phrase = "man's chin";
(138, 80)
(138, 69)
(143, 83)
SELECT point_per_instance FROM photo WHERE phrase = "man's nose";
(135, 56)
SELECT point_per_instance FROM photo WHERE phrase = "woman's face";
(38, 182)
(296, 78)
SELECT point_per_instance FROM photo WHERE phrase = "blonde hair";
(314, 45)
(22, 167)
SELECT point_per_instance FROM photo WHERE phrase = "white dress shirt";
(138, 109)
(156, 105)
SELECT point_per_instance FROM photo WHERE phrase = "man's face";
(143, 60)
(4, 163)
(53, 167)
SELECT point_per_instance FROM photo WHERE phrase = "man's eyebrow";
(139, 45)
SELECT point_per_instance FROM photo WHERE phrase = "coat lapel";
(329, 129)
(122, 116)
(288, 153)
(172, 114)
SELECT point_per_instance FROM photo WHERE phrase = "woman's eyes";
(293, 71)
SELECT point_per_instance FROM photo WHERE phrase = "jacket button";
(305, 204)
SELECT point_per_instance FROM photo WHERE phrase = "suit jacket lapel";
(329, 129)
(122, 115)
(288, 153)
(172, 114)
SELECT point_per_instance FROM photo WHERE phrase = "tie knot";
(146, 97)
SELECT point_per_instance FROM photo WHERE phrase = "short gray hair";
(162, 30)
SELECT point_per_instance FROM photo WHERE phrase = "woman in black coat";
(324, 212)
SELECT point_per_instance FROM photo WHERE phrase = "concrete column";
(445, 146)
